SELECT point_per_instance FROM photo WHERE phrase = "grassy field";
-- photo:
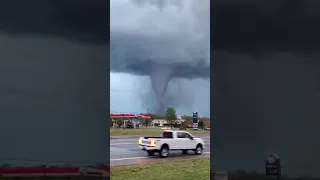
(147, 131)
(192, 169)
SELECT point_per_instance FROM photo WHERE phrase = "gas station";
(129, 117)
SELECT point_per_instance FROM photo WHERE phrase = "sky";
(159, 56)
(266, 73)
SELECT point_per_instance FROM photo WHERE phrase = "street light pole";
(145, 119)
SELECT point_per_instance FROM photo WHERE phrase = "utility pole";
(145, 120)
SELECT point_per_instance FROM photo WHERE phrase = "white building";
(159, 122)
(163, 122)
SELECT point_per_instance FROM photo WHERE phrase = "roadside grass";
(148, 131)
(190, 169)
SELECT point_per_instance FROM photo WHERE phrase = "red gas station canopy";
(143, 115)
(113, 115)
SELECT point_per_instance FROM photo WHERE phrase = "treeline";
(170, 117)
(185, 117)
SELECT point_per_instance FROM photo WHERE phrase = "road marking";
(133, 158)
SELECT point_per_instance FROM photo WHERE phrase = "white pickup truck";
(171, 141)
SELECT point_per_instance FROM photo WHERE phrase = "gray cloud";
(171, 41)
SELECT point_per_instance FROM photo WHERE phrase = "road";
(125, 151)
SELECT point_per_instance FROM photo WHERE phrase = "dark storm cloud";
(265, 87)
(160, 39)
(282, 25)
(140, 55)
(78, 20)
(152, 38)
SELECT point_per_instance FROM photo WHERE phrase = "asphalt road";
(125, 151)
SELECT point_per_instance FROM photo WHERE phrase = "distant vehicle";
(129, 125)
(171, 141)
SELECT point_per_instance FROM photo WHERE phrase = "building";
(163, 122)
(159, 122)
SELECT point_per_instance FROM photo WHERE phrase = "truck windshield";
(167, 134)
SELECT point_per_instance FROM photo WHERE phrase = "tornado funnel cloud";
(160, 78)
(162, 40)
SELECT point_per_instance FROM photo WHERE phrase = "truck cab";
(171, 141)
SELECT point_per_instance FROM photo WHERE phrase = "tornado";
(160, 77)
(164, 40)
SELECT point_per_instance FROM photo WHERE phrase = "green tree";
(111, 122)
(120, 122)
(201, 124)
(147, 122)
(171, 116)
(189, 120)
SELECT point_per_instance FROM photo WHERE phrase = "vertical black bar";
(212, 80)
(107, 87)
(54, 83)
(265, 72)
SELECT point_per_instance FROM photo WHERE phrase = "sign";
(195, 124)
(273, 167)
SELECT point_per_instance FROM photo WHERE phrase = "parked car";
(129, 125)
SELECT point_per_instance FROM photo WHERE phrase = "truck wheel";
(198, 149)
(150, 153)
(164, 152)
